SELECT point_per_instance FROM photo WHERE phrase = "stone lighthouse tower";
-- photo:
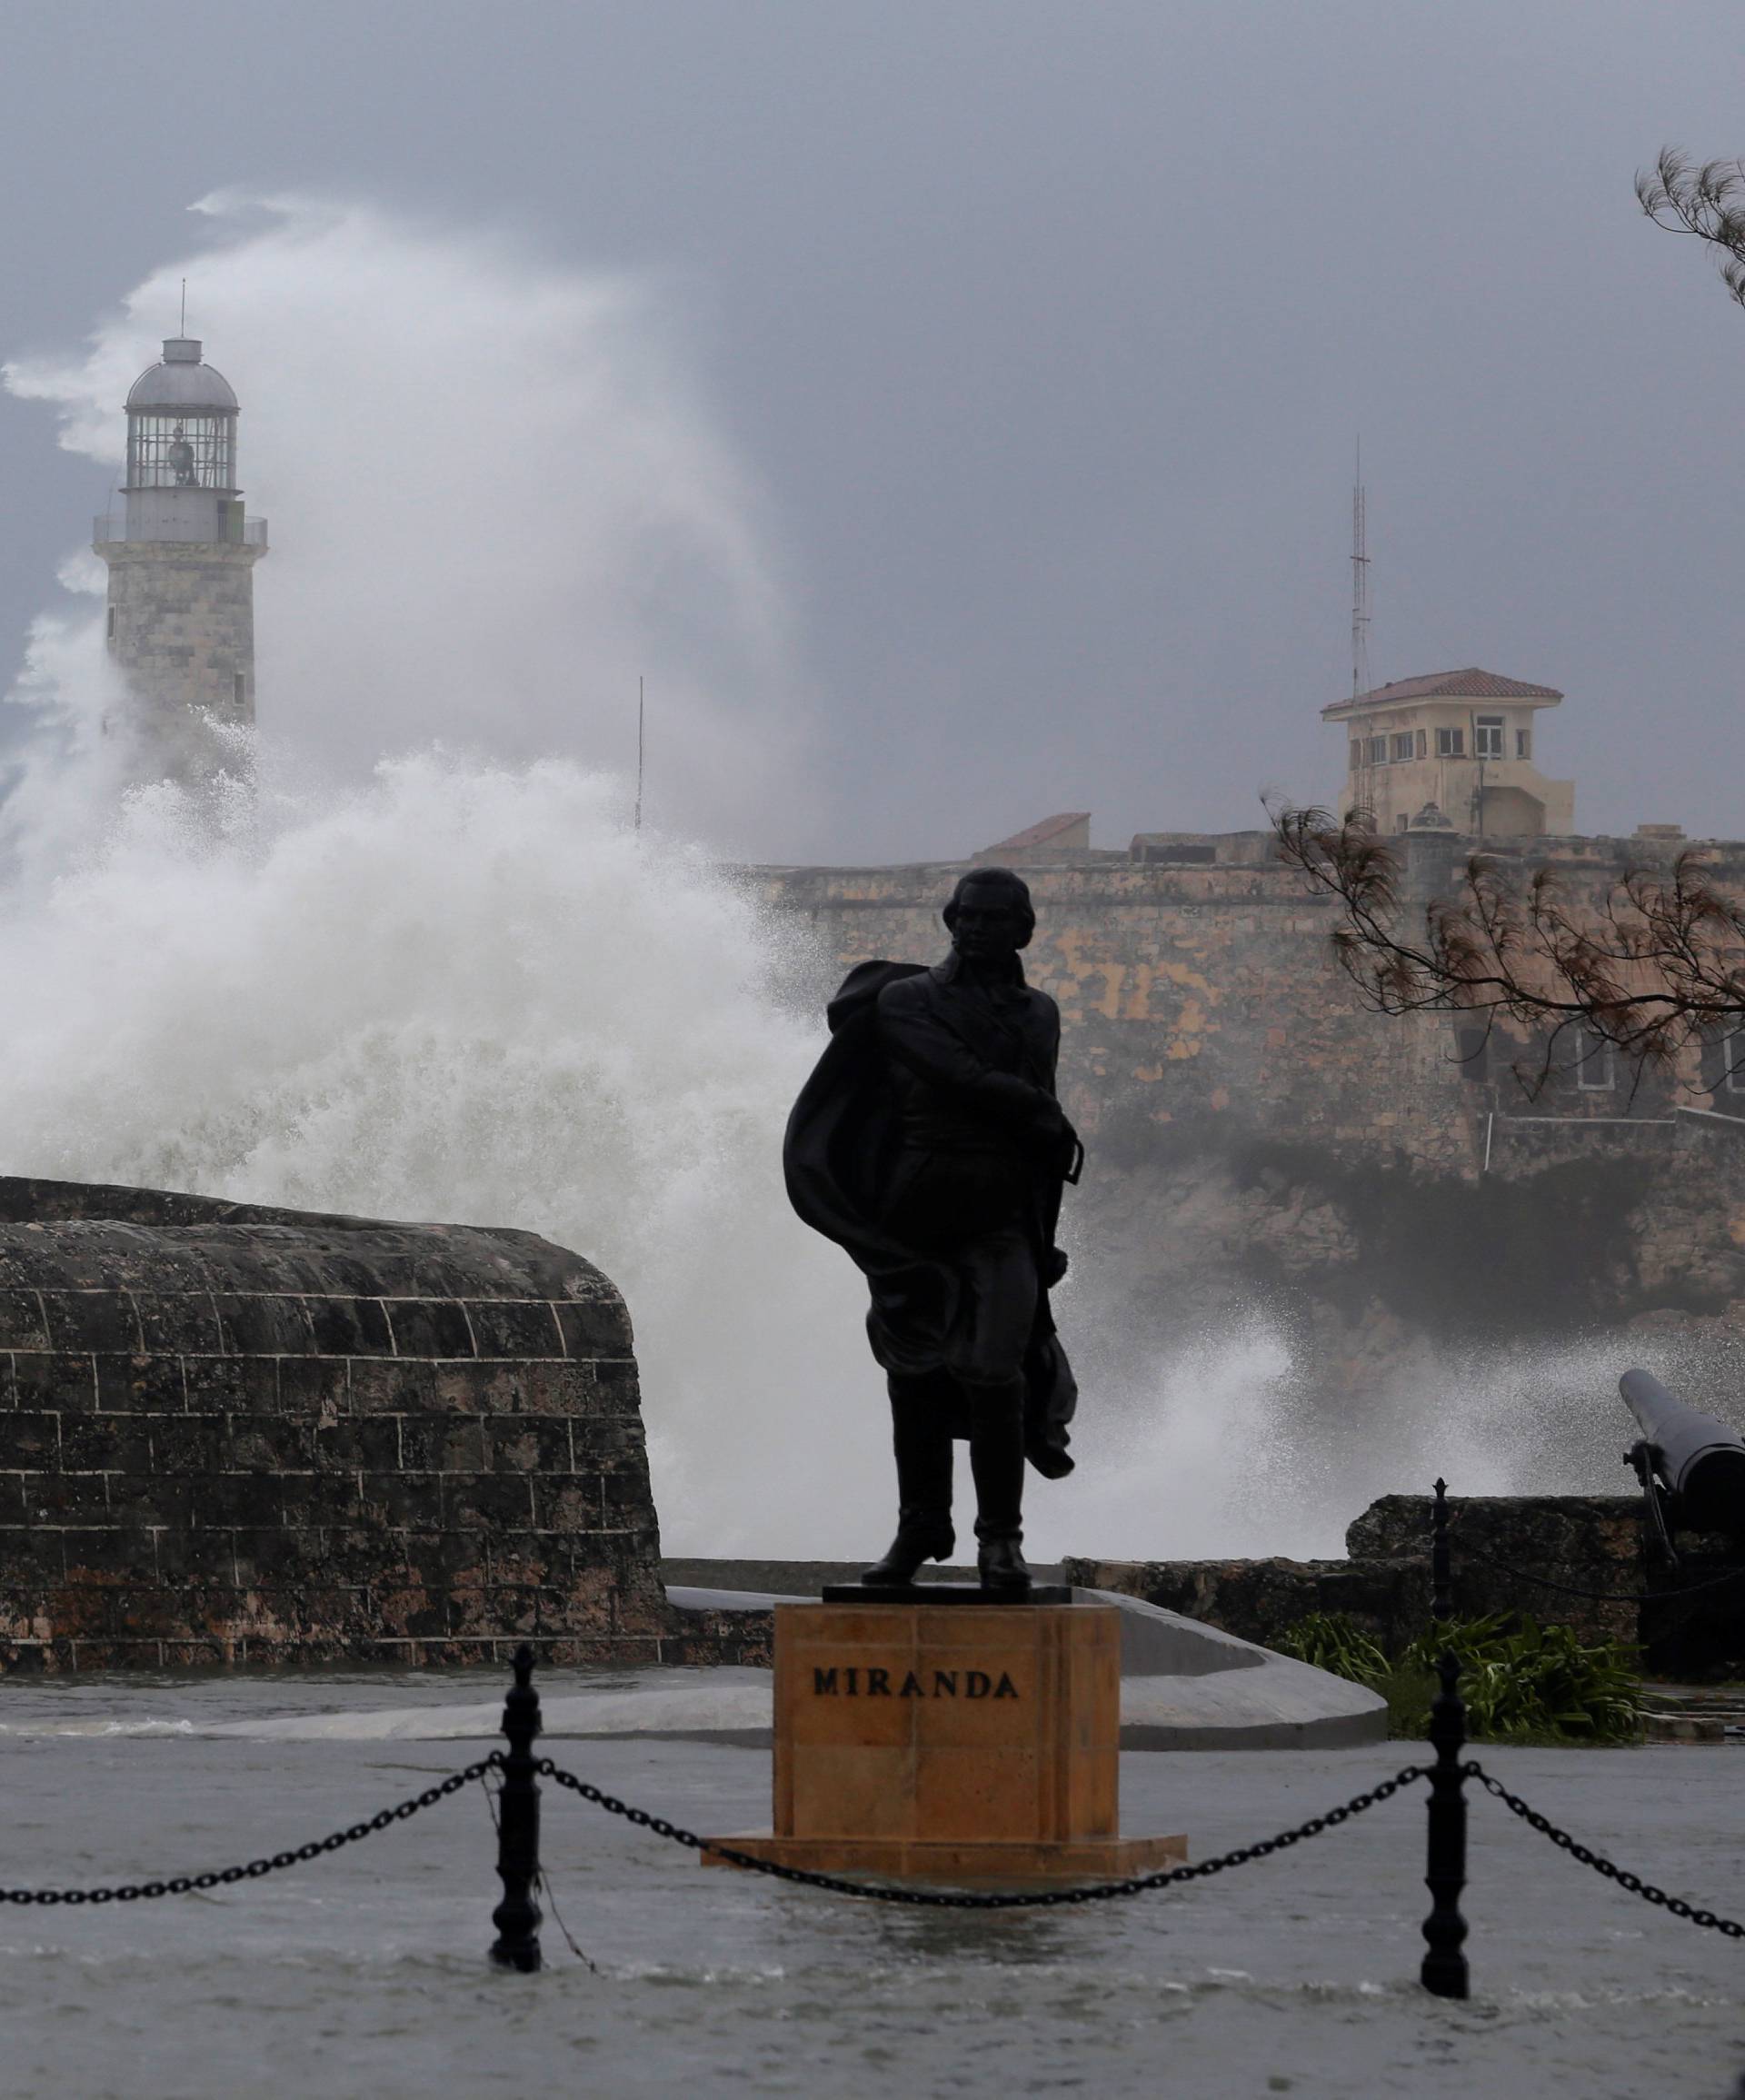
(181, 618)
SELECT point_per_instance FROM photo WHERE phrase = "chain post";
(1444, 1970)
(517, 1917)
(1442, 1604)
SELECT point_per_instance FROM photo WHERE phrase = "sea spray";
(498, 498)
(471, 993)
(452, 984)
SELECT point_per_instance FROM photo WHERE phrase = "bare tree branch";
(1654, 966)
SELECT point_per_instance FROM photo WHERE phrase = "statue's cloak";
(840, 1146)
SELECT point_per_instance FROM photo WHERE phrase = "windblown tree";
(1707, 201)
(1655, 964)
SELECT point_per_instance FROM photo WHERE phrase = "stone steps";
(1694, 1714)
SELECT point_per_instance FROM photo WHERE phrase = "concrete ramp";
(1184, 1685)
(1188, 1686)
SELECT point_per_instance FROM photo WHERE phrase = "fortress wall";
(1193, 998)
(1207, 991)
(1595, 1548)
(1259, 1138)
(230, 1434)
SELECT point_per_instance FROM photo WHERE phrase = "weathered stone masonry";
(181, 621)
(1591, 1548)
(231, 1434)
(1257, 1136)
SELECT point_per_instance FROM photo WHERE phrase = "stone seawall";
(1573, 1560)
(231, 1434)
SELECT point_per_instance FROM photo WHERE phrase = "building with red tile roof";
(1069, 832)
(1452, 751)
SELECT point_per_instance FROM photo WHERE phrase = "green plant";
(1332, 1640)
(1526, 1682)
(1521, 1682)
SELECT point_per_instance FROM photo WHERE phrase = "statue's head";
(990, 914)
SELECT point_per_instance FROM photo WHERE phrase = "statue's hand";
(1056, 1142)
(1054, 1267)
(1065, 1153)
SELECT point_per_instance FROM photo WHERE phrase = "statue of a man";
(181, 459)
(930, 1144)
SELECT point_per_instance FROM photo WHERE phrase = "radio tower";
(1360, 585)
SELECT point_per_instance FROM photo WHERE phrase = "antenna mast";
(1360, 584)
(639, 757)
(185, 306)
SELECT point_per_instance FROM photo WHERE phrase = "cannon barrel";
(1701, 1460)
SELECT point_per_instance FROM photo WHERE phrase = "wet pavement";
(365, 1973)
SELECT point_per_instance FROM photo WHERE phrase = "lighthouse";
(181, 560)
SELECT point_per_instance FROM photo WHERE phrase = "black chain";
(939, 1899)
(925, 1898)
(1601, 1596)
(1729, 1928)
(186, 1884)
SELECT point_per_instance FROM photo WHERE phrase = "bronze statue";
(929, 1144)
(181, 459)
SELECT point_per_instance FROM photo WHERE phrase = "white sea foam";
(452, 983)
(497, 497)
(470, 993)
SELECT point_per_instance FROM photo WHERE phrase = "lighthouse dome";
(179, 381)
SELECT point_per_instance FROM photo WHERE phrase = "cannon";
(1692, 1466)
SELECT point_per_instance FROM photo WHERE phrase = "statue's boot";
(997, 1462)
(923, 1448)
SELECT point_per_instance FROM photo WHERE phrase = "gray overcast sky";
(1046, 330)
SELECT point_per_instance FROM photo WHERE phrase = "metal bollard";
(1442, 1604)
(1444, 1968)
(517, 1917)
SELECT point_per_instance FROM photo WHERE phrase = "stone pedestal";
(952, 1744)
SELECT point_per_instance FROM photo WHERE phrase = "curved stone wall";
(233, 1434)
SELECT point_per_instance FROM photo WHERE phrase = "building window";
(1451, 743)
(1593, 1067)
(1487, 737)
(1733, 1070)
(1523, 743)
(1402, 746)
(239, 691)
(112, 624)
(1423, 743)
(1400, 821)
(1377, 750)
(1357, 754)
